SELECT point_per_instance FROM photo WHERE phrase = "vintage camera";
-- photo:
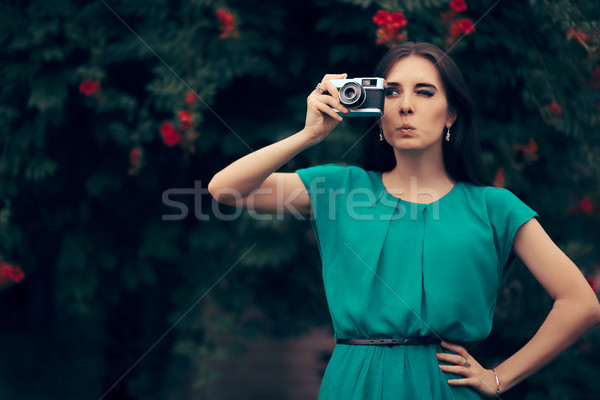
(362, 96)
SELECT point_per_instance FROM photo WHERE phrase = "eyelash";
(390, 92)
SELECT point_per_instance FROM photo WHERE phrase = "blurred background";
(121, 278)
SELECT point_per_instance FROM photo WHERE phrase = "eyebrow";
(418, 85)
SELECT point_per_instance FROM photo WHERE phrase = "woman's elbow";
(582, 306)
(590, 309)
(212, 187)
(595, 311)
(215, 189)
(222, 193)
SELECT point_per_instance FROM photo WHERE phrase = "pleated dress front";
(393, 269)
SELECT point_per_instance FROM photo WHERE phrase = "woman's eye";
(425, 92)
(391, 91)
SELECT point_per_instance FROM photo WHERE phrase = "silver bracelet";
(497, 383)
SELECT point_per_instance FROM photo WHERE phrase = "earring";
(448, 135)
(380, 135)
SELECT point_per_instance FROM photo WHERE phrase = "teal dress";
(393, 268)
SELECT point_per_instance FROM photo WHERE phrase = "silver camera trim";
(364, 112)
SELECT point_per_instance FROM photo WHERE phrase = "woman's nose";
(405, 106)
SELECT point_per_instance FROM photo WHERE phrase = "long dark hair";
(462, 154)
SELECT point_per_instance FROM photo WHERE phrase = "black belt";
(411, 341)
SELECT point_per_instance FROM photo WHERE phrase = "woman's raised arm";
(252, 182)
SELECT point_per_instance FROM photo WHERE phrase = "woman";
(413, 256)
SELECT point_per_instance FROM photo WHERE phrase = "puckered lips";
(406, 129)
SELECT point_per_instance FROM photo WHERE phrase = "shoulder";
(501, 206)
(322, 170)
(334, 169)
(491, 196)
(334, 175)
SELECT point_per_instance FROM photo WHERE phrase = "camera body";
(364, 97)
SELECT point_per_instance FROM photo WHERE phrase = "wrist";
(506, 378)
(497, 379)
(308, 137)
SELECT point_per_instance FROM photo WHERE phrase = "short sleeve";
(324, 184)
(321, 181)
(507, 214)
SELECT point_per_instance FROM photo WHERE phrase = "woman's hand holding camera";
(320, 116)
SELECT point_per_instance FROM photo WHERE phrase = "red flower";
(530, 151)
(573, 34)
(382, 36)
(186, 120)
(461, 26)
(499, 179)
(170, 136)
(455, 28)
(466, 26)
(387, 34)
(10, 273)
(555, 109)
(135, 155)
(532, 147)
(190, 97)
(448, 16)
(585, 205)
(397, 20)
(389, 26)
(458, 5)
(382, 17)
(596, 77)
(592, 283)
(225, 17)
(227, 23)
(88, 86)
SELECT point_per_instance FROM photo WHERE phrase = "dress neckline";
(392, 197)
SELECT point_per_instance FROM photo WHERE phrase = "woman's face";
(416, 111)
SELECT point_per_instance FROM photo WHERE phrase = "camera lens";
(352, 95)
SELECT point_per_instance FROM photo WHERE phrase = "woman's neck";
(418, 177)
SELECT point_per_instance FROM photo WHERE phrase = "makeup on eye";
(391, 91)
(394, 88)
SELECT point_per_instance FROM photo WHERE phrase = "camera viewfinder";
(369, 82)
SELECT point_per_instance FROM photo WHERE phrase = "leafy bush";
(107, 106)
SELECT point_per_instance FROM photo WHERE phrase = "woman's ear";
(451, 118)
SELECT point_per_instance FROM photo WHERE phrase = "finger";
(333, 102)
(335, 97)
(455, 369)
(455, 348)
(330, 88)
(463, 382)
(334, 76)
(325, 109)
(451, 358)
(327, 86)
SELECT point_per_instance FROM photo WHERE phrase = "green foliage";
(107, 276)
